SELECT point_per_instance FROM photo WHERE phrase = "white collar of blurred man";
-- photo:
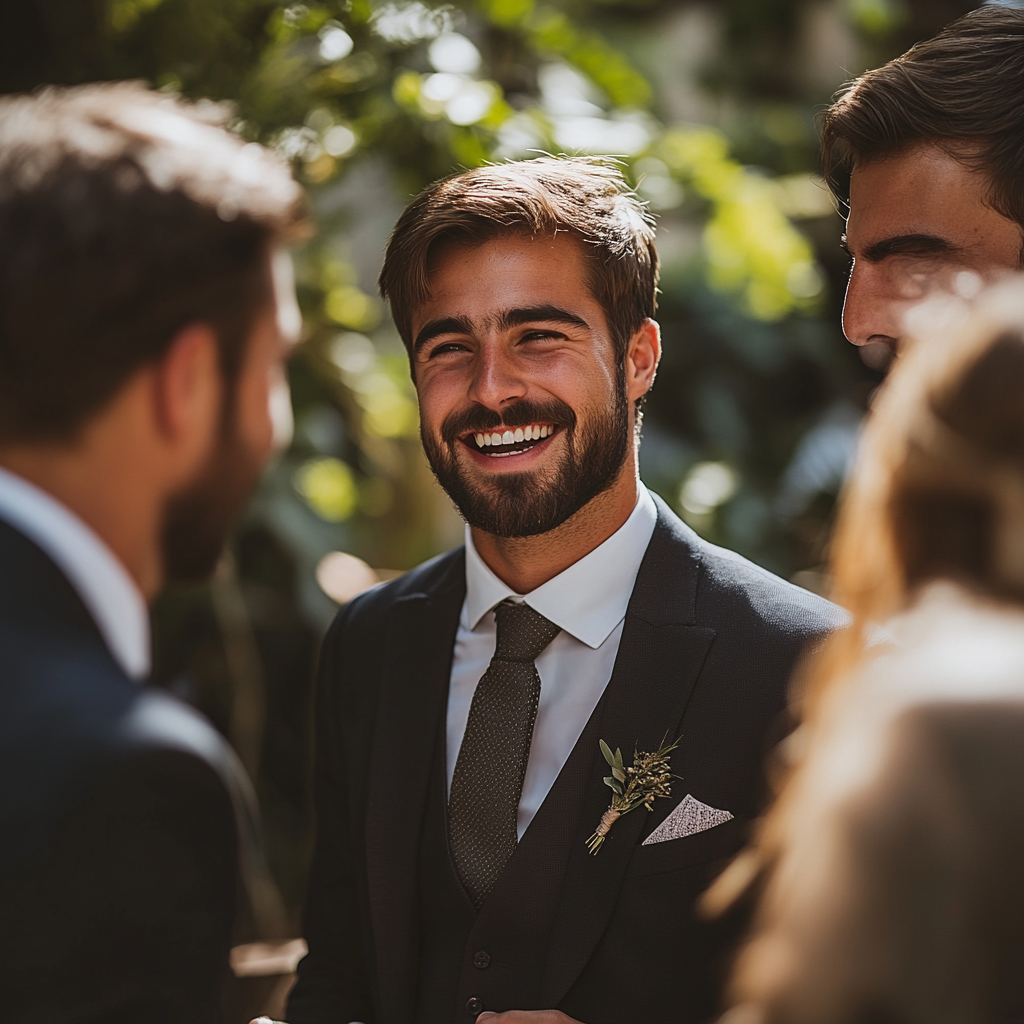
(159, 473)
(109, 594)
(934, 146)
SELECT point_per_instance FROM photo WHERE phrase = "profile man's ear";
(642, 358)
(187, 386)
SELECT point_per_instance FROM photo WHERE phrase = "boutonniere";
(638, 785)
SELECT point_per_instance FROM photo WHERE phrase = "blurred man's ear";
(187, 390)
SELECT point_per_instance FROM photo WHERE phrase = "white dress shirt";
(102, 582)
(588, 601)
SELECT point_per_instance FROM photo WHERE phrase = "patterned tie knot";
(522, 632)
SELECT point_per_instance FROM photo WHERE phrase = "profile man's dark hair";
(960, 90)
(586, 197)
(125, 215)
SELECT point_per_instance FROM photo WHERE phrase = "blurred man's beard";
(533, 501)
(198, 520)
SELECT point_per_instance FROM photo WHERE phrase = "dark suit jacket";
(118, 835)
(706, 651)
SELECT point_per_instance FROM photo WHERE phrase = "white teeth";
(529, 433)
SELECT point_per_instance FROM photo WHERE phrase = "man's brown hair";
(583, 196)
(125, 215)
(961, 90)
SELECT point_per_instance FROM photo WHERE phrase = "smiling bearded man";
(459, 768)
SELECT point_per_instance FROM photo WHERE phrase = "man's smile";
(508, 441)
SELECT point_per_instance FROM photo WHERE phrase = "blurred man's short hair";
(125, 215)
(961, 90)
(584, 196)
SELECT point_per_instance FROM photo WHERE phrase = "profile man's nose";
(868, 315)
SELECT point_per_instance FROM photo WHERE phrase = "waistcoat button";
(474, 1005)
(481, 959)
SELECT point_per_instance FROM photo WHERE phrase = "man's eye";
(446, 347)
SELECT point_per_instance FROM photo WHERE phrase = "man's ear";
(642, 358)
(187, 388)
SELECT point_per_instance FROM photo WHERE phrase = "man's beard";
(199, 518)
(532, 502)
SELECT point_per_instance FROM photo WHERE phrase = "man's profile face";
(198, 519)
(523, 405)
(918, 221)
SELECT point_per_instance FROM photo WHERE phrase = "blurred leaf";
(329, 488)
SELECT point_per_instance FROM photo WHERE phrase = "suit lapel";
(660, 657)
(412, 702)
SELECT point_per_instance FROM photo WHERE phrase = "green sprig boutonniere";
(636, 786)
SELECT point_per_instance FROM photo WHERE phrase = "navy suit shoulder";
(118, 835)
(732, 582)
(726, 585)
(356, 642)
(432, 577)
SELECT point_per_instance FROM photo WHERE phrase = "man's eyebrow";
(909, 245)
(540, 314)
(446, 325)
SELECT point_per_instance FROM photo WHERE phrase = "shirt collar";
(589, 598)
(101, 581)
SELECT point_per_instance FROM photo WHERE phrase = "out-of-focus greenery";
(709, 106)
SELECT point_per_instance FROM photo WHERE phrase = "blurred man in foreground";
(461, 709)
(934, 144)
(145, 310)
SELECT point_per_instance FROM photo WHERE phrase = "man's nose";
(869, 314)
(497, 380)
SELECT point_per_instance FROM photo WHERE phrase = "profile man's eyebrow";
(909, 245)
(446, 325)
(540, 314)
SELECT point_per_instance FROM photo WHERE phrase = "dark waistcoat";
(495, 959)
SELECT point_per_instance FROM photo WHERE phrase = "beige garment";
(899, 895)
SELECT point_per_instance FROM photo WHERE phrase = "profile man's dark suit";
(707, 647)
(118, 833)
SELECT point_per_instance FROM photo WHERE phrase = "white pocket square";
(690, 817)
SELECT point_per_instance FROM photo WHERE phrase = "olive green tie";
(489, 772)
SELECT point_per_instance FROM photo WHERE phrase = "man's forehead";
(916, 187)
(922, 202)
(484, 281)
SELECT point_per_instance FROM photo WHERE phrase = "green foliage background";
(711, 108)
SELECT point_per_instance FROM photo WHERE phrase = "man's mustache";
(477, 418)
